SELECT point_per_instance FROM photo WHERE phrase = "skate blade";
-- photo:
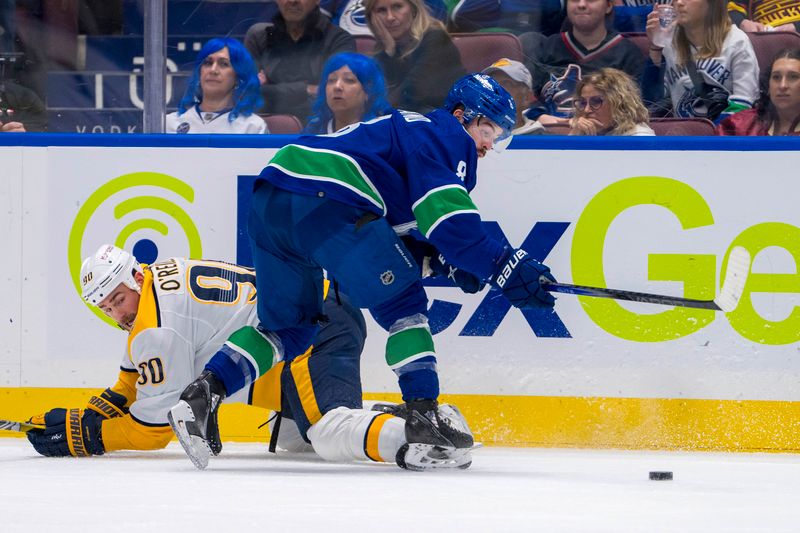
(195, 447)
(421, 457)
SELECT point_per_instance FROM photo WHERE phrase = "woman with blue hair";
(352, 89)
(222, 94)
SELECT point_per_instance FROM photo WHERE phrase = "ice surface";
(507, 489)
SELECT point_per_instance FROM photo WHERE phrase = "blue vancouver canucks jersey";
(415, 170)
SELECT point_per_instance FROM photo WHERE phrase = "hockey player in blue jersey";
(341, 202)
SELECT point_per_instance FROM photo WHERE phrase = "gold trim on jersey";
(125, 433)
(267, 389)
(305, 387)
(147, 315)
(373, 437)
(126, 385)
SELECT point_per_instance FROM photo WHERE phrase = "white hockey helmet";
(102, 272)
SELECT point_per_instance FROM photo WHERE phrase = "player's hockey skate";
(194, 418)
(437, 437)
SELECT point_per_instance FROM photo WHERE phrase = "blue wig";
(247, 90)
(370, 76)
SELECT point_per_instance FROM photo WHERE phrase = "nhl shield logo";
(387, 278)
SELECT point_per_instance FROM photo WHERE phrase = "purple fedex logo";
(442, 313)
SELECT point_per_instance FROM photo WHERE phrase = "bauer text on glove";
(518, 276)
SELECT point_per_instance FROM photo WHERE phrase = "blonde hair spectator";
(421, 21)
(607, 102)
(716, 25)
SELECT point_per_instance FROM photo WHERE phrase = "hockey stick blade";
(735, 279)
(10, 425)
(729, 296)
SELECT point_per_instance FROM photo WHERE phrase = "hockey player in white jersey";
(178, 313)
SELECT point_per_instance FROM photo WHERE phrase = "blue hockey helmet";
(481, 95)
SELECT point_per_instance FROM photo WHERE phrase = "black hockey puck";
(660, 476)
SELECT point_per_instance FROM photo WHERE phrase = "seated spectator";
(607, 102)
(765, 15)
(419, 60)
(777, 111)
(20, 109)
(351, 90)
(290, 52)
(515, 16)
(222, 94)
(349, 14)
(515, 78)
(706, 46)
(565, 57)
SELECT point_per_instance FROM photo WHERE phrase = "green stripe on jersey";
(254, 346)
(408, 345)
(440, 204)
(329, 166)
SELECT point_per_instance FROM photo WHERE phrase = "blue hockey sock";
(233, 370)
(419, 380)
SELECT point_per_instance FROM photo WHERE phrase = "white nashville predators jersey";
(196, 121)
(187, 309)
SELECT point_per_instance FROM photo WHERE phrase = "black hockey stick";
(24, 427)
(728, 299)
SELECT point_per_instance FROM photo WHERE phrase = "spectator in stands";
(517, 80)
(351, 90)
(565, 57)
(707, 47)
(607, 102)
(777, 111)
(223, 93)
(765, 15)
(349, 14)
(419, 60)
(631, 15)
(515, 16)
(21, 109)
(290, 52)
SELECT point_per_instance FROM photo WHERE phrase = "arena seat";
(282, 124)
(767, 44)
(556, 129)
(479, 50)
(640, 40)
(682, 126)
(661, 127)
(365, 44)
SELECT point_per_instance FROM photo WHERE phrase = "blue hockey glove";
(74, 432)
(518, 277)
(465, 281)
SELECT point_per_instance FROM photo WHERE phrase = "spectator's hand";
(550, 120)
(585, 126)
(12, 127)
(652, 25)
(785, 27)
(311, 90)
(751, 25)
(382, 34)
(262, 77)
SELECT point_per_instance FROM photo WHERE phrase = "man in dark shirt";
(20, 109)
(290, 52)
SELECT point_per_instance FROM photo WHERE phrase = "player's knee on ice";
(289, 437)
(344, 434)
